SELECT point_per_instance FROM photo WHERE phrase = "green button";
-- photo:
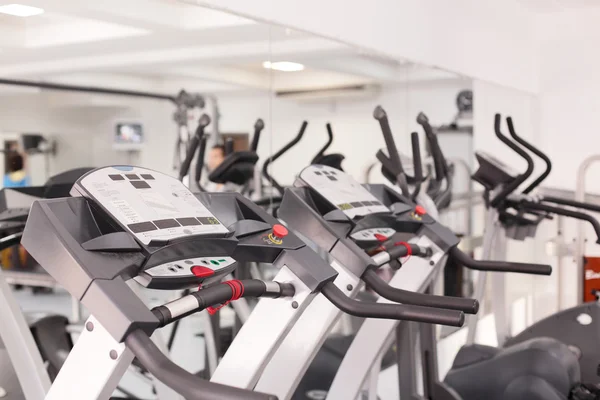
(213, 262)
(222, 260)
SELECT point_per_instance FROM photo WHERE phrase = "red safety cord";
(408, 250)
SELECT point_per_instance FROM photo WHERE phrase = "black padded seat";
(330, 160)
(537, 369)
(238, 168)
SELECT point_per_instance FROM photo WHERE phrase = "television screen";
(128, 136)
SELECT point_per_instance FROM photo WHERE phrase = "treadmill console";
(150, 205)
(156, 209)
(342, 190)
(492, 172)
(350, 197)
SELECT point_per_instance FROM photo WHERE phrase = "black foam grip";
(259, 125)
(567, 213)
(512, 186)
(469, 306)
(180, 380)
(534, 150)
(417, 164)
(391, 311)
(499, 266)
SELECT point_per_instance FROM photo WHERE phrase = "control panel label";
(341, 190)
(152, 205)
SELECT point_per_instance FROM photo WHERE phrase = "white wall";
(488, 40)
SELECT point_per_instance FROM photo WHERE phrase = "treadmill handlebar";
(468, 306)
(218, 295)
(185, 166)
(499, 266)
(180, 380)
(400, 250)
(391, 311)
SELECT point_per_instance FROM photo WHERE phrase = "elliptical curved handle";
(259, 125)
(324, 148)
(380, 115)
(275, 156)
(180, 380)
(189, 156)
(417, 164)
(534, 150)
(200, 162)
(512, 186)
(439, 161)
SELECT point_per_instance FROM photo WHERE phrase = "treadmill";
(128, 223)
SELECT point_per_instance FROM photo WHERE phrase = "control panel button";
(280, 231)
(202, 272)
(380, 237)
(419, 210)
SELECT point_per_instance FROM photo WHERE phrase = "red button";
(380, 237)
(280, 231)
(419, 210)
(202, 272)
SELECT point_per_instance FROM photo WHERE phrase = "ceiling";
(167, 45)
(545, 6)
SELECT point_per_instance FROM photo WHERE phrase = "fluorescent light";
(285, 66)
(20, 10)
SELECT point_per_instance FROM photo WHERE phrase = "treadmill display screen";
(341, 190)
(154, 206)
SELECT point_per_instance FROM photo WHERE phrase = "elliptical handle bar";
(439, 161)
(534, 150)
(571, 203)
(417, 164)
(275, 156)
(180, 380)
(380, 115)
(499, 266)
(468, 306)
(563, 211)
(327, 145)
(512, 186)
(200, 162)
(259, 125)
(185, 166)
(391, 311)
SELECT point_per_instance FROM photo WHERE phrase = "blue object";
(9, 182)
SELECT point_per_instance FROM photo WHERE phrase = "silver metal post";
(20, 345)
(491, 227)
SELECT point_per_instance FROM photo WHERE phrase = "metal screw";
(431, 263)
(113, 354)
(349, 287)
(294, 304)
(89, 326)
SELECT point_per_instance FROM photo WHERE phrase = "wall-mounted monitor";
(128, 136)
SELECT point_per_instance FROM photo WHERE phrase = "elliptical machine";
(517, 217)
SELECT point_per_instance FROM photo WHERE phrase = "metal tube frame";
(21, 347)
(370, 341)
